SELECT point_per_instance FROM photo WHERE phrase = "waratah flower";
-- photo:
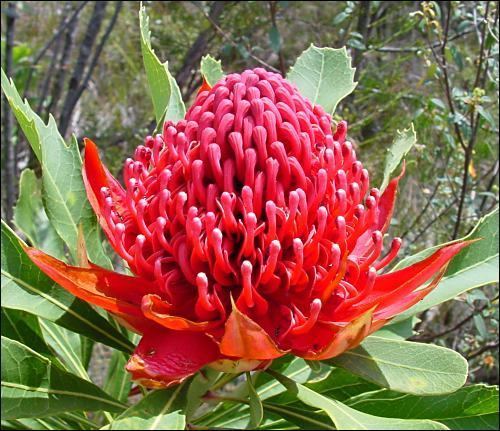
(252, 232)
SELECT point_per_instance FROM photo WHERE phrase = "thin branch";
(456, 326)
(63, 67)
(397, 49)
(485, 348)
(75, 81)
(198, 48)
(99, 49)
(424, 210)
(490, 185)
(429, 200)
(65, 23)
(7, 142)
(228, 39)
(442, 62)
(474, 126)
(273, 8)
(428, 225)
(49, 75)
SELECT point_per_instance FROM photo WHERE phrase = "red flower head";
(252, 232)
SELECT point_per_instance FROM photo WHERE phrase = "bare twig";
(228, 39)
(8, 145)
(474, 120)
(63, 66)
(490, 185)
(397, 49)
(273, 8)
(199, 47)
(86, 46)
(485, 348)
(65, 23)
(49, 75)
(442, 63)
(424, 210)
(454, 327)
(97, 53)
(81, 75)
(428, 225)
(429, 201)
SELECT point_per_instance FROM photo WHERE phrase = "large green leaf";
(347, 418)
(198, 387)
(400, 330)
(34, 387)
(403, 143)
(471, 407)
(30, 217)
(237, 415)
(404, 366)
(25, 287)
(256, 409)
(118, 380)
(25, 328)
(158, 410)
(335, 383)
(64, 421)
(165, 93)
(338, 384)
(281, 417)
(64, 195)
(211, 70)
(67, 345)
(475, 266)
(324, 76)
(487, 232)
(47, 423)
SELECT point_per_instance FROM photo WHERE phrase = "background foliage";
(433, 65)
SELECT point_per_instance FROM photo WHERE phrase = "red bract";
(252, 232)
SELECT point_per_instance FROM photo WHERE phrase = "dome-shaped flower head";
(252, 232)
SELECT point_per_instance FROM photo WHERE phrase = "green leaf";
(232, 416)
(211, 70)
(47, 423)
(64, 195)
(64, 421)
(157, 410)
(199, 386)
(304, 419)
(486, 115)
(404, 366)
(487, 230)
(471, 407)
(30, 217)
(25, 287)
(256, 409)
(33, 387)
(480, 326)
(338, 384)
(86, 349)
(324, 76)
(165, 93)
(400, 330)
(475, 266)
(67, 345)
(347, 418)
(25, 328)
(118, 380)
(314, 365)
(403, 142)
